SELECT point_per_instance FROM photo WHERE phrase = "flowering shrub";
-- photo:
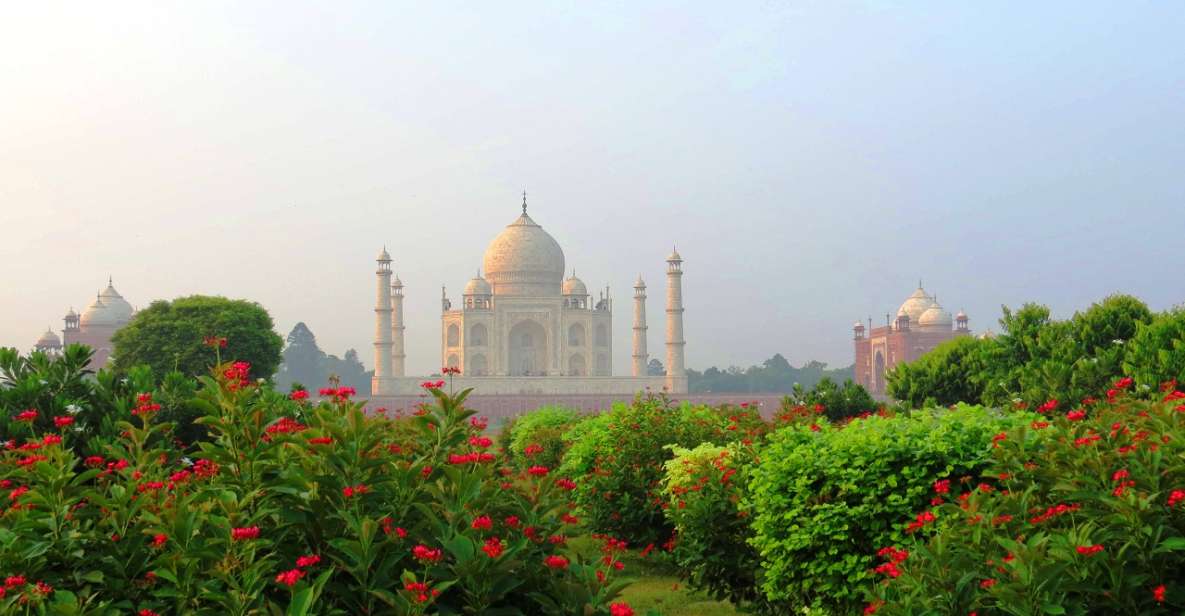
(705, 488)
(537, 437)
(1085, 517)
(824, 498)
(617, 459)
(290, 507)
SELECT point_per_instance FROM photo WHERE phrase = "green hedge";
(823, 502)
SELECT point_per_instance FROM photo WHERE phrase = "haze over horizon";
(810, 161)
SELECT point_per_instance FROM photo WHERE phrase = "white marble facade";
(521, 327)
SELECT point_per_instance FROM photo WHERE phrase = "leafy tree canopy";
(170, 336)
(774, 375)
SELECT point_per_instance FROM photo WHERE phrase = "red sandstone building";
(921, 325)
(94, 327)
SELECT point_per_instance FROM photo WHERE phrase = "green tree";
(1157, 352)
(838, 401)
(950, 373)
(302, 360)
(170, 336)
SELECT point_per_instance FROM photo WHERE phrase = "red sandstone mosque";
(94, 327)
(921, 325)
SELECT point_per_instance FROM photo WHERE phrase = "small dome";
(478, 286)
(397, 282)
(574, 286)
(674, 256)
(71, 314)
(48, 340)
(962, 316)
(97, 314)
(639, 284)
(858, 325)
(916, 304)
(121, 311)
(935, 316)
(524, 260)
(384, 256)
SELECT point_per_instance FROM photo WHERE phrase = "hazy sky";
(811, 160)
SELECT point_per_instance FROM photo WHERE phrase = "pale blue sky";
(811, 160)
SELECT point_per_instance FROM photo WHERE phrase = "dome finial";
(524, 202)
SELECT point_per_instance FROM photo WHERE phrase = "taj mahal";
(522, 328)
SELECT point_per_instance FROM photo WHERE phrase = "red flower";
(1175, 497)
(1076, 415)
(426, 554)
(307, 561)
(1049, 405)
(942, 486)
(532, 450)
(556, 562)
(493, 547)
(28, 415)
(352, 491)
(321, 440)
(482, 522)
(537, 471)
(420, 591)
(565, 483)
(988, 583)
(1158, 593)
(450, 370)
(511, 521)
(481, 441)
(1123, 383)
(300, 394)
(245, 533)
(147, 612)
(871, 608)
(1039, 425)
(289, 577)
(13, 581)
(1089, 550)
(620, 609)
(999, 437)
(63, 421)
(159, 540)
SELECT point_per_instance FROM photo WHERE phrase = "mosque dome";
(48, 340)
(524, 260)
(383, 255)
(674, 256)
(574, 286)
(119, 308)
(97, 314)
(915, 305)
(935, 316)
(478, 286)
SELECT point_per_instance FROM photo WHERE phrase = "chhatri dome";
(97, 313)
(574, 286)
(524, 260)
(916, 304)
(118, 307)
(935, 316)
(477, 286)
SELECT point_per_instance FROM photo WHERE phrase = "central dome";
(524, 260)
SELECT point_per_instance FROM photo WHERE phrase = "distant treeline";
(774, 375)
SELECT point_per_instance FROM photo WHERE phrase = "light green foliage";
(168, 336)
(823, 502)
(542, 430)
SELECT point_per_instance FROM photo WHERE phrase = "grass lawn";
(658, 588)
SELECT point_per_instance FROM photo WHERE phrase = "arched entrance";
(528, 349)
(878, 373)
(577, 366)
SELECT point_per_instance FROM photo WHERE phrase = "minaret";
(397, 365)
(676, 376)
(640, 356)
(382, 319)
